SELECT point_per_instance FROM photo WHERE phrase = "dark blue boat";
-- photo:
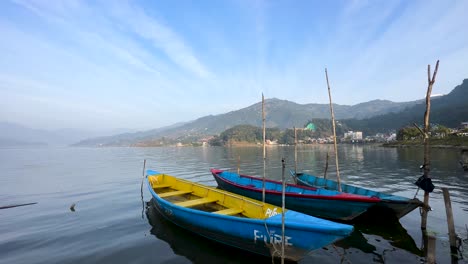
(398, 205)
(310, 200)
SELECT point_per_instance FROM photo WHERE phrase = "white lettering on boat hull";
(272, 238)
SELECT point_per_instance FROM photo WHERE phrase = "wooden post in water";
(430, 250)
(427, 153)
(238, 164)
(334, 134)
(450, 223)
(264, 152)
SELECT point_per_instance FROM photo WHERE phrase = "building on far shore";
(353, 136)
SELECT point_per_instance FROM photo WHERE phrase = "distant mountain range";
(370, 117)
(12, 134)
(280, 113)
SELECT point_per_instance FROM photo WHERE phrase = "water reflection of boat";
(464, 159)
(372, 242)
(196, 248)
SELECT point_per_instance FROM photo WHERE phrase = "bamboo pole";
(295, 151)
(326, 166)
(264, 151)
(334, 134)
(282, 210)
(427, 153)
(15, 205)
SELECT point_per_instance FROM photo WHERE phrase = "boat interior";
(192, 195)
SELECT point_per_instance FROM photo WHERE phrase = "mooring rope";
(275, 250)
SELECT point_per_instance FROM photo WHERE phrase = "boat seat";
(196, 202)
(229, 211)
(174, 193)
(160, 186)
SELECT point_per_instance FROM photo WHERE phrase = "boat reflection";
(196, 248)
(375, 240)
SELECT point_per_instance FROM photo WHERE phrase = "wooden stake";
(238, 164)
(334, 134)
(450, 223)
(430, 253)
(427, 153)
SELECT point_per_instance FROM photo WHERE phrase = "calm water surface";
(109, 224)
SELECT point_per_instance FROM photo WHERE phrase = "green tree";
(408, 133)
(215, 141)
(440, 131)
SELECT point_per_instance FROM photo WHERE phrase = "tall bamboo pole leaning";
(264, 152)
(427, 153)
(334, 134)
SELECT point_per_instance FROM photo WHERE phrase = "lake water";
(109, 224)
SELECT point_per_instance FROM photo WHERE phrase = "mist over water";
(107, 225)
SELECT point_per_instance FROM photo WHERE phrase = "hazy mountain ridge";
(371, 117)
(280, 113)
(13, 134)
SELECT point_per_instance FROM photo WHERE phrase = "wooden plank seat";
(174, 193)
(196, 202)
(160, 186)
(229, 211)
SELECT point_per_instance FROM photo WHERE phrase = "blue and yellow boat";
(239, 221)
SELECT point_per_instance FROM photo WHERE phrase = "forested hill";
(448, 110)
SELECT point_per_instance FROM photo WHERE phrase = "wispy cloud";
(163, 62)
(161, 36)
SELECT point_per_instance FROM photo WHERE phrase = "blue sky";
(103, 65)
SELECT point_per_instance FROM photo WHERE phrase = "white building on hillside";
(353, 135)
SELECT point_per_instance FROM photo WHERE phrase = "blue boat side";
(303, 233)
(314, 181)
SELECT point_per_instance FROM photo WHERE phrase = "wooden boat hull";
(320, 203)
(398, 205)
(303, 233)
